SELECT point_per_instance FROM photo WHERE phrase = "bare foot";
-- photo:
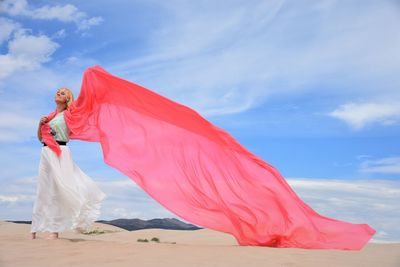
(32, 235)
(52, 236)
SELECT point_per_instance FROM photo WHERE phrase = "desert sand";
(113, 246)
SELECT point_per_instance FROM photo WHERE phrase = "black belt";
(61, 143)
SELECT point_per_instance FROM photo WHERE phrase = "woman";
(67, 199)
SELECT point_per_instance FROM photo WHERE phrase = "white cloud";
(63, 13)
(14, 7)
(26, 52)
(359, 115)
(374, 202)
(349, 200)
(66, 13)
(14, 198)
(8, 198)
(372, 188)
(39, 48)
(390, 165)
(7, 27)
(123, 213)
(117, 185)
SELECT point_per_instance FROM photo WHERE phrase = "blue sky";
(310, 86)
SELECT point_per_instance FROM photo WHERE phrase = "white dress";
(66, 198)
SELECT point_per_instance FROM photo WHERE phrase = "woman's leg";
(32, 235)
(52, 236)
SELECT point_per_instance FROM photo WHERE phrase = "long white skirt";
(66, 198)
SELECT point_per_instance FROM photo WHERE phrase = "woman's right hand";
(43, 120)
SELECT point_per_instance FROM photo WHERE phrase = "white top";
(59, 127)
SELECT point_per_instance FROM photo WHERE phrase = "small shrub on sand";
(96, 231)
(154, 239)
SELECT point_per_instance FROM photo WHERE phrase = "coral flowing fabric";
(197, 170)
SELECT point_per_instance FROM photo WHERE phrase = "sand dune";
(118, 247)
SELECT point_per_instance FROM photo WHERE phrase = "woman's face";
(61, 96)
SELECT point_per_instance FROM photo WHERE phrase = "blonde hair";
(69, 94)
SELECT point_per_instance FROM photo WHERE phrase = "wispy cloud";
(359, 115)
(13, 127)
(199, 51)
(228, 62)
(19, 119)
(64, 13)
(390, 165)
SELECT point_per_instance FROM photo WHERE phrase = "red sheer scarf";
(197, 170)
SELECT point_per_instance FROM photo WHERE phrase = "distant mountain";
(137, 224)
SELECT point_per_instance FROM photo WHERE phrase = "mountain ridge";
(138, 224)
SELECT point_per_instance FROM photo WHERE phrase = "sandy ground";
(119, 248)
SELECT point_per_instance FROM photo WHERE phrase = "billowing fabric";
(66, 198)
(197, 170)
